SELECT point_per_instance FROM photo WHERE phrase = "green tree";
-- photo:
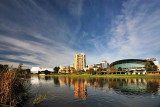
(155, 68)
(91, 71)
(104, 69)
(56, 69)
(119, 69)
(148, 66)
(74, 71)
(99, 70)
(113, 70)
(3, 68)
(108, 70)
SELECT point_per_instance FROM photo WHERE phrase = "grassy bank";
(107, 75)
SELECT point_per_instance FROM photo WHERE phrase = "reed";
(12, 87)
(39, 98)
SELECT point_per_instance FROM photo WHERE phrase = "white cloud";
(14, 64)
(136, 30)
(40, 54)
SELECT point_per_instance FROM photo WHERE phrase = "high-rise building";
(80, 61)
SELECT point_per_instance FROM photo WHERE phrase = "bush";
(12, 88)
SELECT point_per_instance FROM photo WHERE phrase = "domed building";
(131, 64)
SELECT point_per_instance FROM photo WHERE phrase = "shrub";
(12, 87)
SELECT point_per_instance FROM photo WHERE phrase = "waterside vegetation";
(13, 88)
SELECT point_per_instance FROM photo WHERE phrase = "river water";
(94, 92)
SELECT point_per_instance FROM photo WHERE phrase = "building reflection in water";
(128, 86)
(80, 90)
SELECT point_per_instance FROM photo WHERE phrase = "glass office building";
(131, 64)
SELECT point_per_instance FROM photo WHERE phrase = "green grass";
(106, 75)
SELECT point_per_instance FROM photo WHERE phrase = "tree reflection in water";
(135, 86)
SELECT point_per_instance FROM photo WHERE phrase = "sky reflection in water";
(67, 91)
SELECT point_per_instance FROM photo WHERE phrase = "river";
(94, 92)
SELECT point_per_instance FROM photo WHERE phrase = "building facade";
(131, 64)
(79, 61)
(104, 64)
(39, 69)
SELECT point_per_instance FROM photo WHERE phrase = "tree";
(3, 67)
(74, 71)
(113, 70)
(119, 69)
(148, 66)
(155, 68)
(56, 69)
(104, 69)
(91, 71)
(47, 72)
(108, 70)
(99, 70)
(19, 69)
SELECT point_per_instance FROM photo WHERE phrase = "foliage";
(3, 68)
(91, 71)
(56, 69)
(79, 72)
(47, 72)
(112, 70)
(74, 71)
(99, 70)
(155, 68)
(12, 88)
(148, 66)
(39, 98)
(120, 69)
(104, 69)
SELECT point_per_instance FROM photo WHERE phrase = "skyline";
(49, 33)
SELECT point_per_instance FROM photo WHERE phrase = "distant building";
(158, 66)
(79, 61)
(72, 65)
(39, 69)
(156, 63)
(97, 65)
(62, 68)
(154, 60)
(85, 69)
(47, 69)
(90, 66)
(151, 59)
(104, 64)
(35, 69)
(131, 64)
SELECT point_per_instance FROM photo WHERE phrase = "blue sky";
(48, 33)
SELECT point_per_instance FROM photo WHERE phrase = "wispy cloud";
(50, 33)
(30, 32)
(136, 30)
(38, 53)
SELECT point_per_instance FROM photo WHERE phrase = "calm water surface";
(82, 92)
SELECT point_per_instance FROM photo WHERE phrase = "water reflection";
(124, 86)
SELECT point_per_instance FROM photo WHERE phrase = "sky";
(49, 33)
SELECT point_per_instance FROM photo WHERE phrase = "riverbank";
(107, 75)
(1, 105)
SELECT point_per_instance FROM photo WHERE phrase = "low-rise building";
(104, 64)
(35, 70)
(39, 69)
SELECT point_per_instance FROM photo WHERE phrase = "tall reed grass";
(12, 87)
